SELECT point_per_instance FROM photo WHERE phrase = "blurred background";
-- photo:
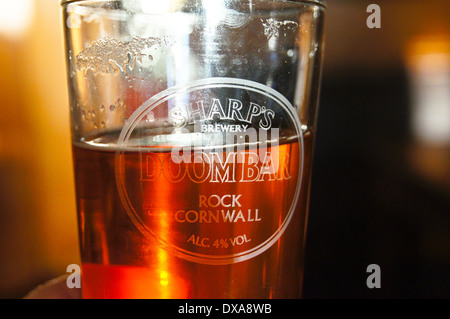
(381, 177)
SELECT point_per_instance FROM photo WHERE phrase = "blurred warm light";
(15, 17)
(38, 236)
(429, 71)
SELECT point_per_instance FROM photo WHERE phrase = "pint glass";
(192, 126)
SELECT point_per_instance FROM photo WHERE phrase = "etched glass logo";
(216, 173)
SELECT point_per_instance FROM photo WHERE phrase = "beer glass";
(192, 126)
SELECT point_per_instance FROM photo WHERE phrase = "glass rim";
(312, 2)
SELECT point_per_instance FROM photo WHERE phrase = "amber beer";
(183, 206)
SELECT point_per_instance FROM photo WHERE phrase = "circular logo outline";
(188, 87)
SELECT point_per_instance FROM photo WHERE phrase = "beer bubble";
(313, 51)
(102, 108)
(150, 117)
(112, 107)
